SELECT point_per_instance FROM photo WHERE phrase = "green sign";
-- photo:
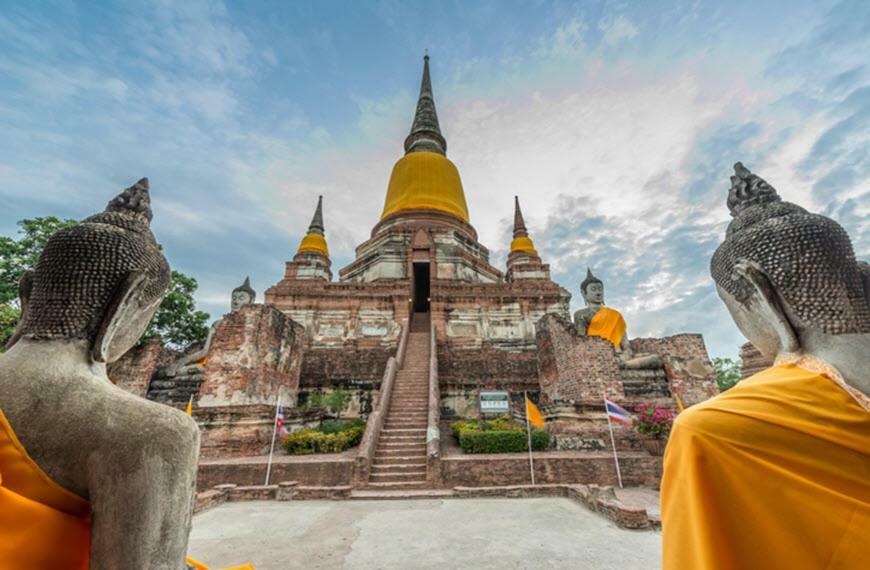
(495, 402)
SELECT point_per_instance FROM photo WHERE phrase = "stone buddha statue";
(791, 281)
(193, 363)
(595, 319)
(106, 477)
(799, 431)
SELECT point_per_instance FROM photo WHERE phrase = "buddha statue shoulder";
(241, 296)
(596, 319)
(110, 476)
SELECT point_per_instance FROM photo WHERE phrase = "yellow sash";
(42, 525)
(607, 324)
(773, 473)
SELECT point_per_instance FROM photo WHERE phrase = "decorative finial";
(134, 199)
(519, 223)
(748, 189)
(316, 226)
(425, 133)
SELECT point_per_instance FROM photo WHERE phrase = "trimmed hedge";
(498, 441)
(308, 441)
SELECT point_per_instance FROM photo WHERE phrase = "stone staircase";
(400, 456)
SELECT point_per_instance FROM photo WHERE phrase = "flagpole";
(613, 444)
(529, 435)
(274, 433)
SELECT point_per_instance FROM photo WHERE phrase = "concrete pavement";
(419, 534)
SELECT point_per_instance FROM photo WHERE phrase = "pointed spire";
(316, 226)
(521, 244)
(314, 241)
(519, 223)
(425, 132)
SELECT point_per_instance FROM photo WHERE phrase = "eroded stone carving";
(791, 281)
(89, 299)
(242, 295)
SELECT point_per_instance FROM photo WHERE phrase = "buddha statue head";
(592, 289)
(242, 296)
(788, 277)
(99, 281)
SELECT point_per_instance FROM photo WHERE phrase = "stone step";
(399, 467)
(406, 424)
(400, 447)
(403, 431)
(402, 439)
(397, 485)
(397, 477)
(398, 459)
(399, 494)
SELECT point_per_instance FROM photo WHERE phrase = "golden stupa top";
(314, 241)
(425, 179)
(521, 242)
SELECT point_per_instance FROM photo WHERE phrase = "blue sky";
(615, 122)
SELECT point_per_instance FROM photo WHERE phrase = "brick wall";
(133, 371)
(256, 353)
(690, 372)
(752, 361)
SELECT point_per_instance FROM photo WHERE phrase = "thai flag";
(282, 429)
(616, 412)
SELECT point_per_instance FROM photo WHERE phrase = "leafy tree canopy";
(727, 372)
(8, 319)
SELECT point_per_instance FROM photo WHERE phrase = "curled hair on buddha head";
(808, 258)
(83, 269)
(590, 279)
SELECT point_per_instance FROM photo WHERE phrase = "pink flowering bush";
(652, 421)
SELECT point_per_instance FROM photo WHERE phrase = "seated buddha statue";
(775, 472)
(595, 319)
(91, 476)
(193, 363)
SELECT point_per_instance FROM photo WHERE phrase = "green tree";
(337, 401)
(8, 319)
(177, 322)
(727, 372)
(18, 256)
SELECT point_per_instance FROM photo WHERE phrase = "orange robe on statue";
(42, 525)
(774, 473)
(608, 324)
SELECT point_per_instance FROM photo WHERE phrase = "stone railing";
(433, 434)
(375, 422)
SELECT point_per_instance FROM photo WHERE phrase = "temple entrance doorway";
(421, 287)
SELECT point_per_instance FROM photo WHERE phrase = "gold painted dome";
(425, 181)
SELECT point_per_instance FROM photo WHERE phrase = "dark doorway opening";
(421, 287)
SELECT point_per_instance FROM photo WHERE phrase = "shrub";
(308, 441)
(652, 421)
(500, 441)
(502, 423)
(335, 426)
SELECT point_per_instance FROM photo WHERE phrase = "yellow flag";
(190, 406)
(679, 402)
(534, 415)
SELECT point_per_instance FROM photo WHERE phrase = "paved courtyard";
(411, 534)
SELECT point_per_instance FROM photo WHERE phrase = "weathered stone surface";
(322, 470)
(256, 355)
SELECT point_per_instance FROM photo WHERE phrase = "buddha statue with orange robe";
(775, 472)
(91, 476)
(595, 319)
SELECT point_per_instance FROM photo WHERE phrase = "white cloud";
(617, 29)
